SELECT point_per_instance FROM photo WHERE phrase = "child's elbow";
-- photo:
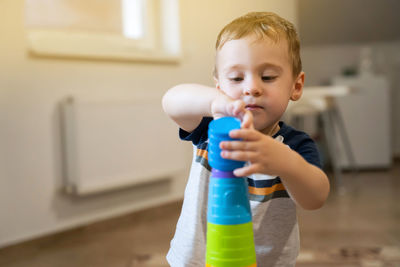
(168, 102)
(172, 100)
(314, 205)
(319, 199)
(165, 101)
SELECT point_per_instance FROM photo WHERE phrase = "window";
(133, 18)
(143, 30)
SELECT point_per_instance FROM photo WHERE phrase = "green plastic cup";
(230, 245)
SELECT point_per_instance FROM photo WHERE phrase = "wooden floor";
(360, 227)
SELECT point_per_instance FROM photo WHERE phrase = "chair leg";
(345, 138)
(330, 136)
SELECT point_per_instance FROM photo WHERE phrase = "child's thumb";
(247, 120)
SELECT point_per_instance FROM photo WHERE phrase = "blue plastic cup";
(218, 130)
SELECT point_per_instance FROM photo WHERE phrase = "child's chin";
(261, 126)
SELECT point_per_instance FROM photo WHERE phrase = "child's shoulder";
(199, 135)
(291, 135)
(300, 142)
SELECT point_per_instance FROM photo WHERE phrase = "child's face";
(258, 72)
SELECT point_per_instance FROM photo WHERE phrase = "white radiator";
(110, 145)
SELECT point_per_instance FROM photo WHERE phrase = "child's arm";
(187, 104)
(307, 184)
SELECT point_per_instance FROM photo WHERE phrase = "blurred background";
(92, 172)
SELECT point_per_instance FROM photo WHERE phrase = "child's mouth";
(253, 107)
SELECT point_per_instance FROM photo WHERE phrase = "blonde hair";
(263, 25)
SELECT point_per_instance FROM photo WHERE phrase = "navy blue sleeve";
(199, 135)
(302, 143)
(309, 151)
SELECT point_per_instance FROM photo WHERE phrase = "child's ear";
(298, 85)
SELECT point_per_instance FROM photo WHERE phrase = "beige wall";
(31, 202)
(333, 34)
(78, 15)
(326, 22)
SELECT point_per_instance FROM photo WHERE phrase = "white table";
(320, 101)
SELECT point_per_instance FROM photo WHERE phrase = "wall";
(31, 200)
(333, 33)
(348, 21)
(321, 63)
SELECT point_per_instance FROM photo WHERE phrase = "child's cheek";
(232, 92)
(229, 89)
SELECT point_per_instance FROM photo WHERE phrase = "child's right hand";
(224, 106)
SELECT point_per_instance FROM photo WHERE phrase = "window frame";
(161, 42)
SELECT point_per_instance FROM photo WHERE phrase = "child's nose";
(253, 89)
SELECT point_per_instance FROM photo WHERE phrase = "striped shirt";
(276, 233)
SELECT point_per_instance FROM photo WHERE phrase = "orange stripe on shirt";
(252, 190)
(202, 153)
(266, 190)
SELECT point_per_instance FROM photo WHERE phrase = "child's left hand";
(265, 154)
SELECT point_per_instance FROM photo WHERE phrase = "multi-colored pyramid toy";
(230, 239)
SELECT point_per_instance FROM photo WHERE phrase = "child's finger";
(238, 108)
(246, 171)
(245, 134)
(238, 145)
(239, 155)
(247, 120)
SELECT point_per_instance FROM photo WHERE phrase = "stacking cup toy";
(230, 239)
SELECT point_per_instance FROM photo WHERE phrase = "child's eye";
(268, 78)
(236, 79)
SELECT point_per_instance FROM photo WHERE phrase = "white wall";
(333, 34)
(322, 62)
(31, 199)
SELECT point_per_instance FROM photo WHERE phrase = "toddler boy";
(257, 71)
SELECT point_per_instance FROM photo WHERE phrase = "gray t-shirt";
(276, 232)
